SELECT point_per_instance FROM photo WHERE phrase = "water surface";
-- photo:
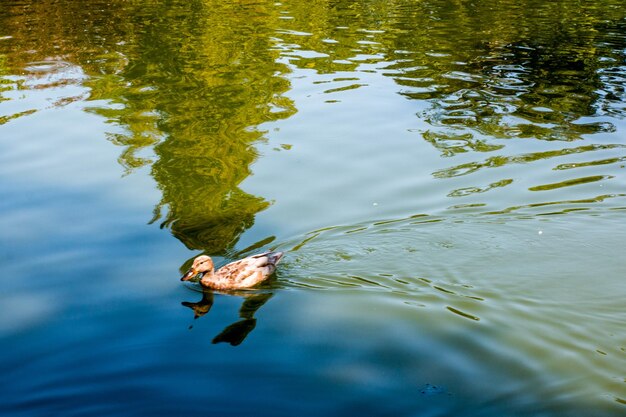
(446, 177)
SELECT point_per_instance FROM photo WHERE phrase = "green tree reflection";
(486, 70)
(204, 75)
(188, 82)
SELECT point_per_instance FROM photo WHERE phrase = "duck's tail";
(275, 257)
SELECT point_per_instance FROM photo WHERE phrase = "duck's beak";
(189, 275)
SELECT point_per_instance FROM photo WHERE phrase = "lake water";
(447, 179)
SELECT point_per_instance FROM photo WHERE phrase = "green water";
(447, 179)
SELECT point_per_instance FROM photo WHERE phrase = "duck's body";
(244, 273)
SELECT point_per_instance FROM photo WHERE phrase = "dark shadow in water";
(235, 333)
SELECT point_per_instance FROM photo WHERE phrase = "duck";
(244, 273)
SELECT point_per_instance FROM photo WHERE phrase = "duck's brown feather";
(244, 273)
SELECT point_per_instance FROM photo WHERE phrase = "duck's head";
(201, 265)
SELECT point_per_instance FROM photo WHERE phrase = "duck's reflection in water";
(234, 333)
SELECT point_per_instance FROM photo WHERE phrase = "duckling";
(244, 273)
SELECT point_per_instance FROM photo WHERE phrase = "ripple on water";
(555, 327)
(521, 297)
(51, 83)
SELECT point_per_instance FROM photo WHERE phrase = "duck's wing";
(248, 271)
